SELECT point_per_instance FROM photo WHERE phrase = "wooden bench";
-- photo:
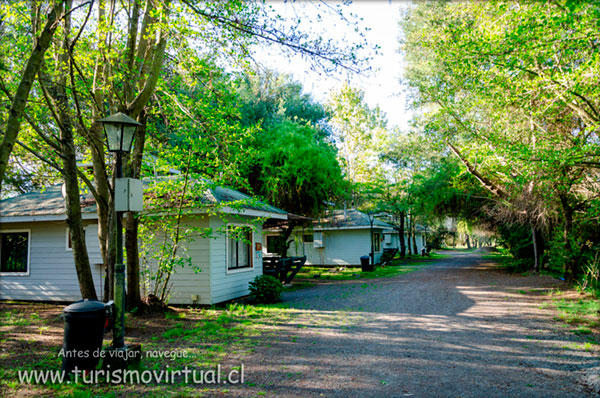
(284, 269)
(387, 256)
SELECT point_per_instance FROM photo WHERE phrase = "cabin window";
(68, 244)
(239, 248)
(308, 238)
(376, 242)
(14, 252)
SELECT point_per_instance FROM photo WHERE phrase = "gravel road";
(455, 328)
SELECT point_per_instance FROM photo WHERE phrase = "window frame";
(68, 239)
(376, 242)
(8, 231)
(266, 245)
(312, 238)
(238, 270)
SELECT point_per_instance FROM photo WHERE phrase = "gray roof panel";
(49, 201)
(350, 218)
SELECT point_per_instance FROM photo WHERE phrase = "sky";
(382, 87)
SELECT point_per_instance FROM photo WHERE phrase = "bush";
(266, 289)
(436, 239)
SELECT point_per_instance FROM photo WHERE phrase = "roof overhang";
(319, 229)
(226, 210)
(48, 217)
(254, 213)
(351, 228)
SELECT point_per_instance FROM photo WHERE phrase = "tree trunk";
(414, 238)
(134, 298)
(536, 254)
(67, 145)
(283, 243)
(409, 229)
(111, 254)
(133, 262)
(571, 265)
(541, 246)
(15, 113)
(467, 241)
(104, 205)
(401, 235)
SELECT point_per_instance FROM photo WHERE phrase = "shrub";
(436, 239)
(266, 289)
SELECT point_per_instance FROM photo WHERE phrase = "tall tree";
(115, 60)
(359, 132)
(513, 104)
(40, 43)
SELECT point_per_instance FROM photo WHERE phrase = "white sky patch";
(382, 86)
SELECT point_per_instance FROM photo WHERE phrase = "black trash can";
(365, 263)
(84, 330)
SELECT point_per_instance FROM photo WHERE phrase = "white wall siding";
(52, 275)
(226, 286)
(391, 240)
(420, 238)
(341, 247)
(185, 281)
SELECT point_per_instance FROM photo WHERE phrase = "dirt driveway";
(456, 328)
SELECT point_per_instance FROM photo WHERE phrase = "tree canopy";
(508, 88)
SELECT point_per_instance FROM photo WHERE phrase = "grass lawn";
(397, 267)
(579, 313)
(584, 313)
(31, 337)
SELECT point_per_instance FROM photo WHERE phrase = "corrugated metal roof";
(350, 218)
(49, 201)
(213, 194)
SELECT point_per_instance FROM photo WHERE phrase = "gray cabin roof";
(50, 202)
(213, 194)
(45, 202)
(350, 219)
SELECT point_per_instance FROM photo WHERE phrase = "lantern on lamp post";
(120, 130)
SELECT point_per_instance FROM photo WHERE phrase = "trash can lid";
(85, 305)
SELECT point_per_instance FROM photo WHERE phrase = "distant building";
(341, 237)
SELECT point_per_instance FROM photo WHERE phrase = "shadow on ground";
(456, 328)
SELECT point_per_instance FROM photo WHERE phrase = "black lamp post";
(371, 219)
(120, 130)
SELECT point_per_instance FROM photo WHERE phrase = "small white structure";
(36, 261)
(341, 237)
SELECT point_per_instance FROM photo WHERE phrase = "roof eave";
(44, 217)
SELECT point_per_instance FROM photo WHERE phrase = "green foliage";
(437, 237)
(506, 89)
(282, 153)
(590, 280)
(266, 289)
(360, 134)
(517, 239)
(294, 169)
(578, 312)
(268, 98)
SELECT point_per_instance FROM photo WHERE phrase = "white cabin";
(36, 261)
(340, 238)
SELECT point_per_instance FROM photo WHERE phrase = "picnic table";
(387, 256)
(283, 268)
